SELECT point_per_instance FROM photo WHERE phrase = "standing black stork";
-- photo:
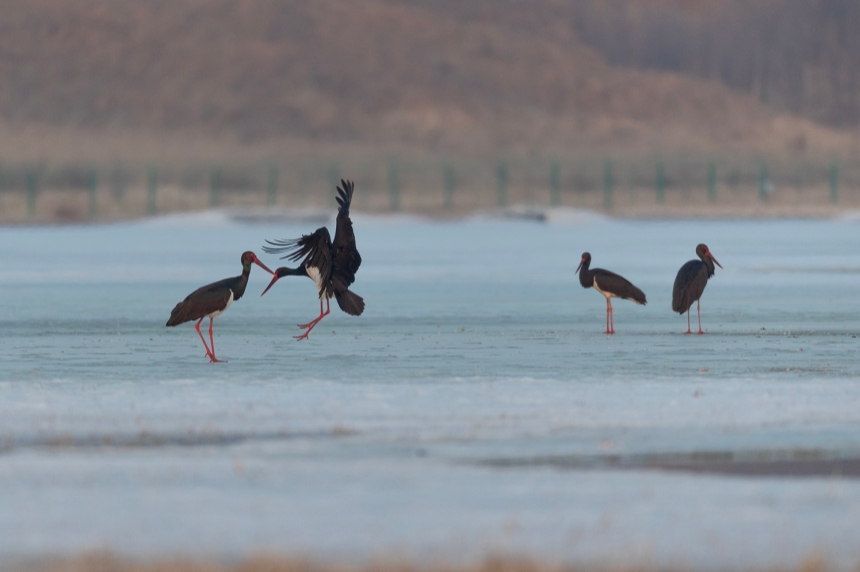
(609, 284)
(211, 300)
(331, 265)
(690, 284)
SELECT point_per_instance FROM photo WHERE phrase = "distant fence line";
(394, 184)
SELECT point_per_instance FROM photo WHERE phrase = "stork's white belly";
(315, 275)
(219, 312)
(596, 287)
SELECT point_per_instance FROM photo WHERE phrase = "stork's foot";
(308, 328)
(307, 332)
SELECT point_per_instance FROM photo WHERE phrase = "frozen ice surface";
(475, 408)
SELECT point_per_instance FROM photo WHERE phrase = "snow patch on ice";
(231, 216)
(850, 216)
(554, 215)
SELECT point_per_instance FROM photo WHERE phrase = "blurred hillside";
(149, 79)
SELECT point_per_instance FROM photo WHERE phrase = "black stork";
(331, 265)
(609, 284)
(211, 300)
(690, 284)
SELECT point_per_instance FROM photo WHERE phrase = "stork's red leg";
(310, 325)
(202, 339)
(609, 327)
(212, 357)
(689, 331)
(699, 312)
(607, 317)
(611, 317)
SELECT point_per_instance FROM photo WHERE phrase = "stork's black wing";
(618, 285)
(203, 301)
(346, 258)
(689, 285)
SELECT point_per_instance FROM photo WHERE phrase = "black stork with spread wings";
(610, 284)
(331, 265)
(690, 284)
(211, 300)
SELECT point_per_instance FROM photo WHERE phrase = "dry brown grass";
(106, 562)
(130, 80)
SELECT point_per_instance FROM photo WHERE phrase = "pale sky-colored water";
(441, 423)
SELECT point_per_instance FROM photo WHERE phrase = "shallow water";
(475, 407)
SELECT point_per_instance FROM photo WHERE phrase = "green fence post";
(555, 184)
(712, 182)
(502, 180)
(608, 184)
(660, 184)
(151, 190)
(92, 184)
(215, 188)
(449, 186)
(31, 193)
(272, 193)
(119, 183)
(763, 183)
(834, 183)
(393, 187)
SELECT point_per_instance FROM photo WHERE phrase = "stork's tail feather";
(638, 296)
(177, 316)
(350, 302)
(679, 303)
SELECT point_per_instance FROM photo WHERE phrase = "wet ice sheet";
(423, 427)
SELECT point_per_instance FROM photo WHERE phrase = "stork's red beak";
(711, 256)
(261, 265)
(581, 262)
(272, 283)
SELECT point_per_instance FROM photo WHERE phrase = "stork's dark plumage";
(690, 284)
(609, 284)
(211, 300)
(331, 265)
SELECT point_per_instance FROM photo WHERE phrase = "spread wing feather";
(337, 262)
(346, 259)
(313, 249)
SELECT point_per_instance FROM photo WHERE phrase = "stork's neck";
(284, 271)
(586, 276)
(709, 264)
(238, 287)
(246, 271)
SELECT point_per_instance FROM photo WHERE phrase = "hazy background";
(476, 408)
(466, 104)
